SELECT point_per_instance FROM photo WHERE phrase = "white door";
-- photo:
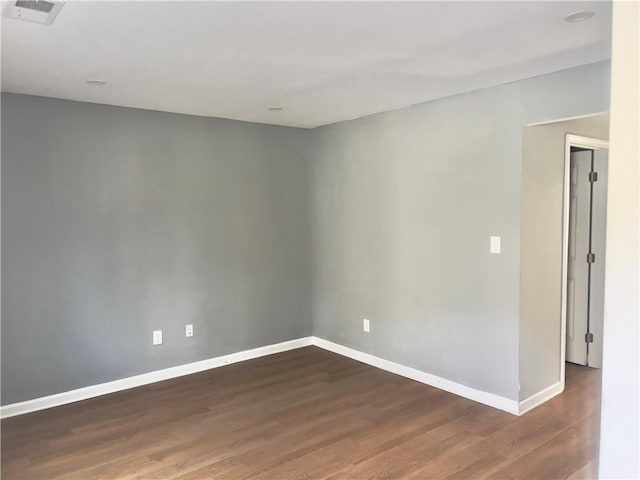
(598, 241)
(585, 278)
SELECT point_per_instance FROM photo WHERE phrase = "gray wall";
(116, 222)
(541, 247)
(404, 204)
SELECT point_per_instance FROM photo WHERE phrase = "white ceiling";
(323, 62)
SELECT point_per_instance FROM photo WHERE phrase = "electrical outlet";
(188, 330)
(366, 325)
(157, 337)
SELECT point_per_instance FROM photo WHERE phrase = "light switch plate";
(494, 245)
(157, 337)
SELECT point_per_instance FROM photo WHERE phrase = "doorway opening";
(584, 237)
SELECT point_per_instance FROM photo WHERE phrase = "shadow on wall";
(541, 246)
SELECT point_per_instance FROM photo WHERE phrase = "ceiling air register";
(37, 11)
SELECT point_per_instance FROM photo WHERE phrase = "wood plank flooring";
(306, 413)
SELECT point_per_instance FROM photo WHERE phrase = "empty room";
(338, 240)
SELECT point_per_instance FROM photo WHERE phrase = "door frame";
(571, 140)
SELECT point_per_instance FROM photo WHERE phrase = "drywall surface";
(404, 205)
(541, 240)
(619, 431)
(117, 222)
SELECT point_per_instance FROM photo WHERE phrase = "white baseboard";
(496, 401)
(541, 397)
(84, 393)
(490, 399)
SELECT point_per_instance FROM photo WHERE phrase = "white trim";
(539, 398)
(570, 141)
(566, 119)
(92, 391)
(465, 391)
(502, 403)
(586, 142)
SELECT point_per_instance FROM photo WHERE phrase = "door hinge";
(591, 258)
(593, 177)
(588, 337)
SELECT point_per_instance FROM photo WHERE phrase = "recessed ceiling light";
(275, 109)
(579, 16)
(96, 82)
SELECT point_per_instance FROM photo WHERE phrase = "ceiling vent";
(37, 11)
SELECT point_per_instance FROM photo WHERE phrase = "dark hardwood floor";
(306, 413)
